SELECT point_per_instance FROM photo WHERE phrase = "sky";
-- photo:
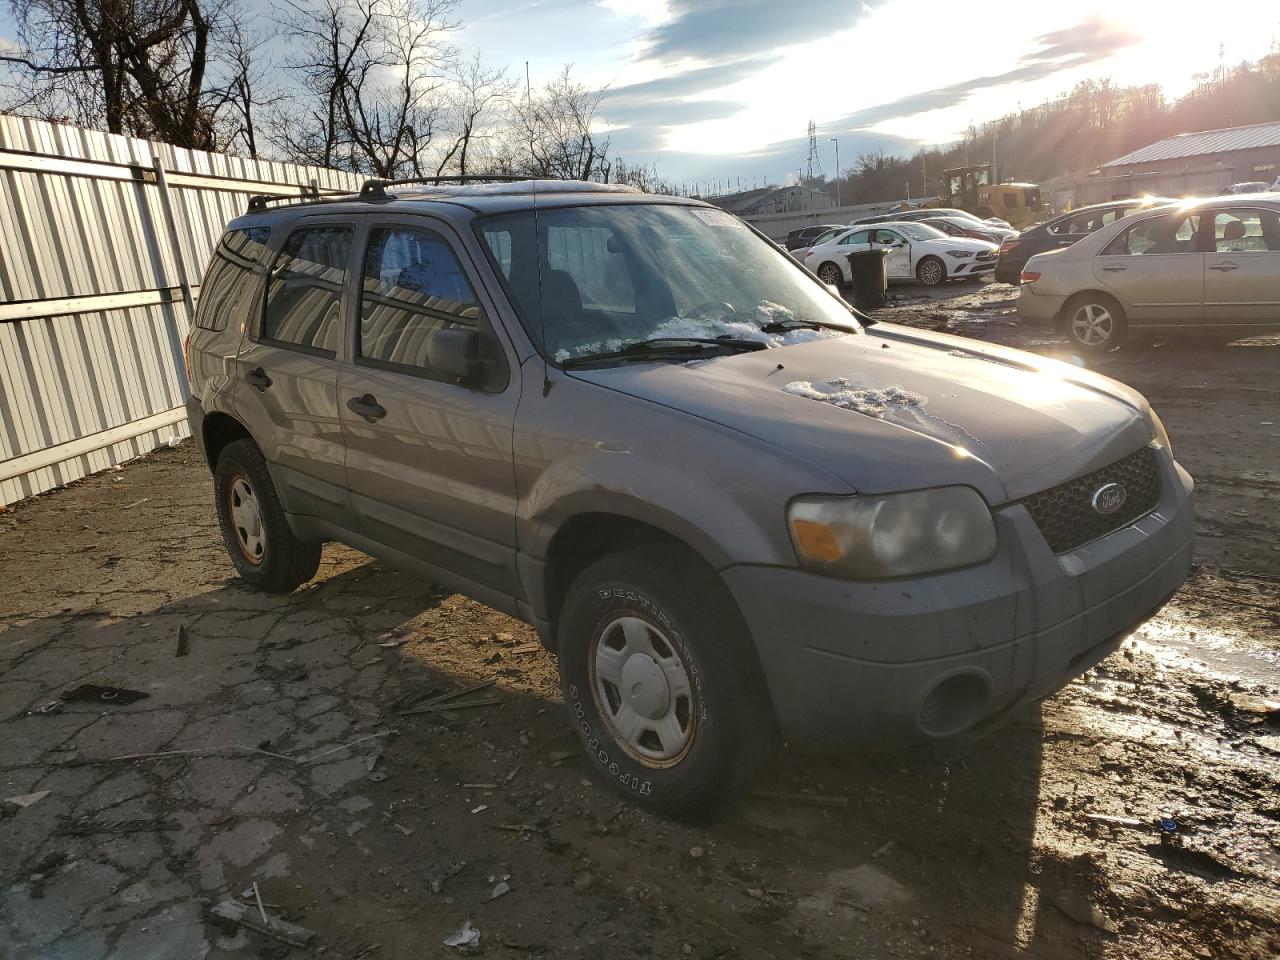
(725, 89)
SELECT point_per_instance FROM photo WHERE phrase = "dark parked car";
(960, 227)
(1063, 231)
(927, 213)
(805, 236)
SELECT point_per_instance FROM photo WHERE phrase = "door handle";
(258, 379)
(1225, 266)
(1114, 269)
(367, 407)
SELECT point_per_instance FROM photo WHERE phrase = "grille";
(988, 255)
(1065, 513)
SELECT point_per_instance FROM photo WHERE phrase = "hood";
(966, 243)
(896, 409)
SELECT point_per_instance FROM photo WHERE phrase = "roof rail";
(308, 194)
(376, 189)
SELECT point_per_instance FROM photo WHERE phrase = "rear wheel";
(1095, 322)
(256, 531)
(661, 682)
(931, 272)
(831, 275)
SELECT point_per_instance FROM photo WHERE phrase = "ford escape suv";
(735, 510)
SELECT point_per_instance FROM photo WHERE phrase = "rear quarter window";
(230, 277)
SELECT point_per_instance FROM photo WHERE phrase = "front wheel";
(931, 272)
(263, 548)
(831, 275)
(662, 683)
(1095, 323)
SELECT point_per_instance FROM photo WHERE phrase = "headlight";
(959, 254)
(894, 535)
(1161, 434)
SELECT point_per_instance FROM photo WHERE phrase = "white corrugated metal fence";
(103, 240)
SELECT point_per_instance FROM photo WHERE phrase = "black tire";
(732, 732)
(931, 271)
(831, 274)
(284, 561)
(1080, 325)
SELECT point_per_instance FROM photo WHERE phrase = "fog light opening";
(954, 705)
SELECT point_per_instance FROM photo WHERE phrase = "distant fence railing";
(103, 240)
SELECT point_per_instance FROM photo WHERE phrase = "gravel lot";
(284, 763)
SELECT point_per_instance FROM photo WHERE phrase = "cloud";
(1087, 42)
(690, 82)
(667, 114)
(719, 30)
(650, 109)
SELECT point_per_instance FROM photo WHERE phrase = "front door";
(898, 265)
(428, 458)
(1242, 271)
(286, 374)
(1156, 270)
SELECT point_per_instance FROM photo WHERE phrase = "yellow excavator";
(970, 188)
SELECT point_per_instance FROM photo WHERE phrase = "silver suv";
(734, 509)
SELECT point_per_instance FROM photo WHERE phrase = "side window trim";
(255, 327)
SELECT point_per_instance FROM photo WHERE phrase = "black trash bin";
(870, 278)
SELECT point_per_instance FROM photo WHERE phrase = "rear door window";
(304, 290)
(230, 276)
(1246, 231)
(862, 236)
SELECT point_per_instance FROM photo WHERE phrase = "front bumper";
(931, 657)
(971, 268)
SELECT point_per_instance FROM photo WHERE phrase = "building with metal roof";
(1189, 164)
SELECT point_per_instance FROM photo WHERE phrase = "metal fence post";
(166, 202)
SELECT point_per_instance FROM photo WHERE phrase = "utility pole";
(528, 89)
(837, 143)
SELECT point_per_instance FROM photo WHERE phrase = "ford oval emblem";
(1109, 498)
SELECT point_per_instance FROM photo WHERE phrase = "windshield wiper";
(782, 326)
(663, 347)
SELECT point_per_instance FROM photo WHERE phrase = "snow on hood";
(766, 313)
(893, 403)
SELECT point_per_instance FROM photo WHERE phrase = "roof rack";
(308, 194)
(376, 189)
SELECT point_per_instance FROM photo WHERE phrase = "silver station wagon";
(735, 510)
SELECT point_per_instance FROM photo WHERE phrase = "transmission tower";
(813, 167)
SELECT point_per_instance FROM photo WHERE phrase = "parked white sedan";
(916, 251)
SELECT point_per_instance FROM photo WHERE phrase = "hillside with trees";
(1074, 134)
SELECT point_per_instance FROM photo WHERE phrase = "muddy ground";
(285, 764)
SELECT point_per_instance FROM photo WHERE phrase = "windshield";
(611, 275)
(922, 231)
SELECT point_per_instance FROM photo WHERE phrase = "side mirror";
(456, 352)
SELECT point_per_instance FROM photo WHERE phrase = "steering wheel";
(725, 310)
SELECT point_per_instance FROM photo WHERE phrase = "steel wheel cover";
(643, 691)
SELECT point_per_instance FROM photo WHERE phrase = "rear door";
(286, 373)
(1242, 269)
(1156, 270)
(428, 458)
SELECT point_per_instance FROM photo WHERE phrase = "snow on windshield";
(922, 231)
(713, 327)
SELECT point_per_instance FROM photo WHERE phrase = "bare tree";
(134, 66)
(477, 91)
(372, 73)
(554, 132)
(244, 91)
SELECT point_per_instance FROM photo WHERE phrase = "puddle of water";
(1181, 644)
